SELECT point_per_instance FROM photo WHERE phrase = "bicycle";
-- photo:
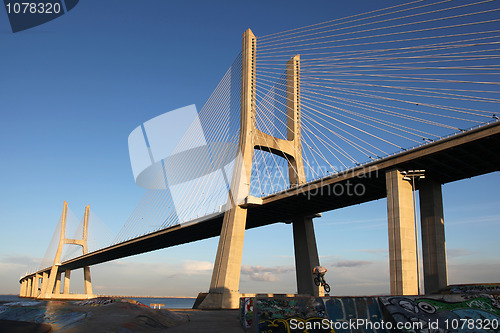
(322, 282)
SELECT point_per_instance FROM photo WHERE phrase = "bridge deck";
(458, 157)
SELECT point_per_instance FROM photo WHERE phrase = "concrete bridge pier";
(402, 235)
(67, 277)
(29, 291)
(224, 287)
(87, 281)
(57, 287)
(45, 284)
(28, 288)
(306, 255)
(35, 286)
(402, 239)
(22, 291)
(433, 236)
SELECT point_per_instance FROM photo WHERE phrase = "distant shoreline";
(119, 296)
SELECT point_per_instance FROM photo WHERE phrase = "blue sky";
(72, 90)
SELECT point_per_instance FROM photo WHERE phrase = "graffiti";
(294, 325)
(246, 311)
(282, 308)
(98, 301)
(446, 313)
(434, 313)
(312, 314)
(264, 314)
(349, 309)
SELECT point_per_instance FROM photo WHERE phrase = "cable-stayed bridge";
(310, 120)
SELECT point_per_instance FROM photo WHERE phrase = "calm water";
(12, 298)
(169, 303)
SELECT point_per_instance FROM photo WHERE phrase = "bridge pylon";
(46, 284)
(224, 286)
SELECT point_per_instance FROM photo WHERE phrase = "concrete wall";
(473, 305)
(260, 314)
(443, 313)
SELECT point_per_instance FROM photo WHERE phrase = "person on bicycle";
(320, 273)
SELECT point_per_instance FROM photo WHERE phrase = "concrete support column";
(45, 283)
(433, 238)
(87, 280)
(306, 255)
(224, 288)
(35, 285)
(25, 287)
(22, 289)
(28, 287)
(67, 276)
(57, 287)
(32, 291)
(402, 246)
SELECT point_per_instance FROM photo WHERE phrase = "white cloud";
(374, 251)
(453, 253)
(351, 263)
(264, 276)
(193, 266)
(260, 273)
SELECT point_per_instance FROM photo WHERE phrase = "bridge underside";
(452, 159)
(445, 165)
(459, 157)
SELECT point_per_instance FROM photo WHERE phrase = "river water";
(168, 302)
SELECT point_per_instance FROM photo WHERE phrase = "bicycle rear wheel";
(327, 287)
(316, 281)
